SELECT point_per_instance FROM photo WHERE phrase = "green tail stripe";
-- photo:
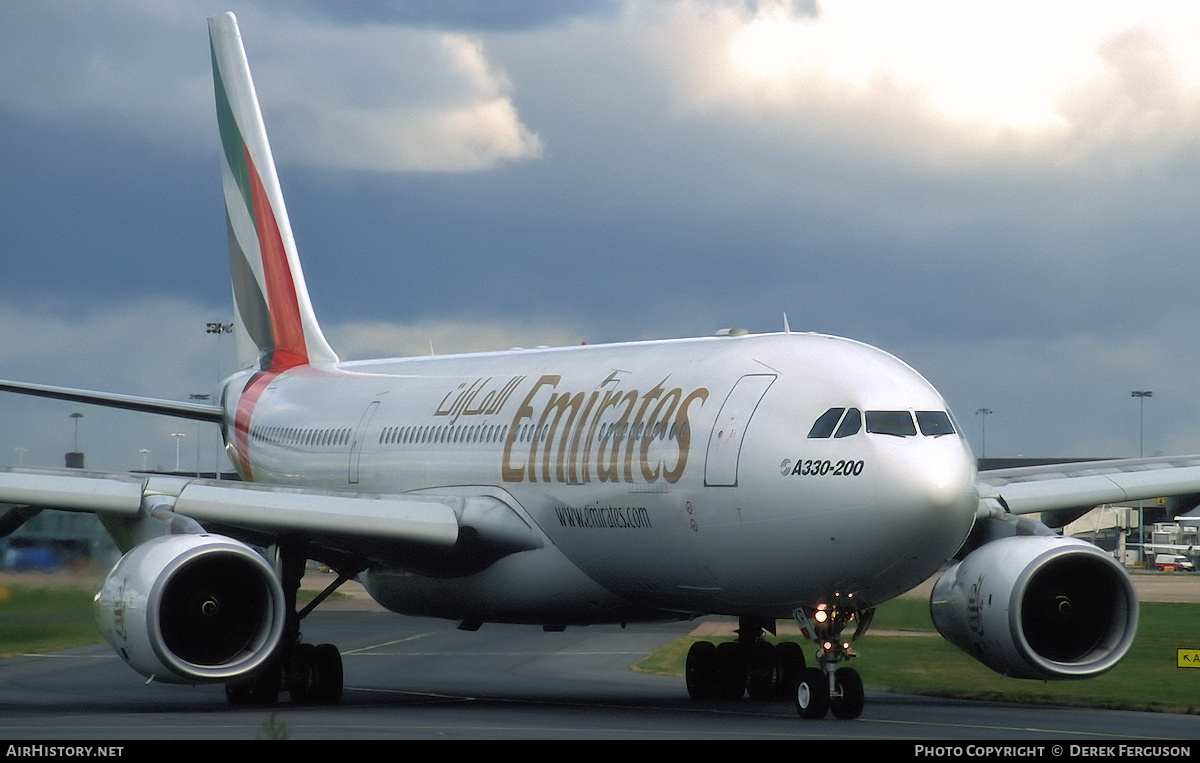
(231, 138)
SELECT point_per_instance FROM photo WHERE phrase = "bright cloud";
(1028, 67)
(398, 100)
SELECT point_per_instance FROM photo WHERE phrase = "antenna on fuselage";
(786, 328)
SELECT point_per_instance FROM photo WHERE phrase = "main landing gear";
(751, 665)
(311, 675)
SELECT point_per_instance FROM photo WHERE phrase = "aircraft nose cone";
(932, 488)
(950, 486)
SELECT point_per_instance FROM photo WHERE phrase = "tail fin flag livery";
(270, 299)
(792, 476)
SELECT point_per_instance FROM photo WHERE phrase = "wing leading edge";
(178, 408)
(1076, 487)
(374, 527)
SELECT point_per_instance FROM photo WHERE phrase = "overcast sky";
(1005, 195)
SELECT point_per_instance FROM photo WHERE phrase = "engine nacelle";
(192, 608)
(1038, 607)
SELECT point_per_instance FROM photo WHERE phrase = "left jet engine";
(192, 608)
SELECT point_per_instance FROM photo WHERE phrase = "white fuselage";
(665, 477)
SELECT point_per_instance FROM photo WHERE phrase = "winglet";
(270, 297)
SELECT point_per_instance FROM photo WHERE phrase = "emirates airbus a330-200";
(759, 477)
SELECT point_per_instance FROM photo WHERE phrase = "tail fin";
(270, 298)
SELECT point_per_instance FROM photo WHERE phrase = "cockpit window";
(825, 424)
(896, 423)
(850, 424)
(934, 423)
(847, 422)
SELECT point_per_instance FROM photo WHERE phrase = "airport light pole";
(982, 413)
(1141, 395)
(76, 416)
(177, 435)
(74, 459)
(218, 328)
(198, 397)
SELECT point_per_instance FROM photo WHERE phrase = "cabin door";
(725, 440)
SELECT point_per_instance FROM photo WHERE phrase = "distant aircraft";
(759, 477)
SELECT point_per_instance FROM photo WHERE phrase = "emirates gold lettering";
(547, 430)
(561, 427)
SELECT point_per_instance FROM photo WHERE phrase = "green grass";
(925, 663)
(36, 619)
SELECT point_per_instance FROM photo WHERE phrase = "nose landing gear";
(827, 687)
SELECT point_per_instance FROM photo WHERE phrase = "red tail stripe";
(290, 347)
(241, 420)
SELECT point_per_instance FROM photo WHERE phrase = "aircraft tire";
(301, 679)
(732, 666)
(328, 676)
(762, 681)
(850, 704)
(260, 689)
(700, 670)
(812, 694)
(790, 659)
(316, 675)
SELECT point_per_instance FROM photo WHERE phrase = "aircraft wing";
(1072, 489)
(196, 411)
(372, 526)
